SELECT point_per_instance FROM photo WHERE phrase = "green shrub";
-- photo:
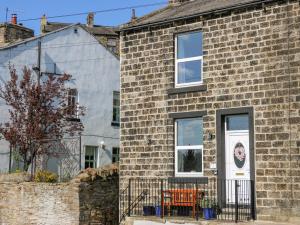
(45, 176)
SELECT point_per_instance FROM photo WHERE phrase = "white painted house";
(95, 70)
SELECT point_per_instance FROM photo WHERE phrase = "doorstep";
(153, 220)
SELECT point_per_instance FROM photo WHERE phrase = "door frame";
(220, 135)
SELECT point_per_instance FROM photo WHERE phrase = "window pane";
(115, 154)
(238, 122)
(189, 45)
(72, 101)
(115, 159)
(189, 71)
(90, 156)
(116, 114)
(189, 132)
(115, 151)
(190, 160)
(88, 151)
(116, 106)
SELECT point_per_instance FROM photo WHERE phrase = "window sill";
(202, 87)
(115, 124)
(188, 175)
(178, 179)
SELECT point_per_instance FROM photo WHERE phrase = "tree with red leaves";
(37, 112)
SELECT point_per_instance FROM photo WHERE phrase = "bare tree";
(37, 112)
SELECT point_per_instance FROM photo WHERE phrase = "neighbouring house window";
(116, 108)
(189, 59)
(90, 157)
(115, 154)
(112, 44)
(72, 102)
(189, 147)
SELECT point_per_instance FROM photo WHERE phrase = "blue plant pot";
(209, 213)
(158, 210)
(148, 210)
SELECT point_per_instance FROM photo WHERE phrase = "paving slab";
(158, 221)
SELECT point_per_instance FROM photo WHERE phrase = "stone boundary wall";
(94, 202)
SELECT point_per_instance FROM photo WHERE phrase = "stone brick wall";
(251, 59)
(10, 33)
(63, 203)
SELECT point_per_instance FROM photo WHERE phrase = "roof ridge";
(37, 37)
(189, 9)
(138, 19)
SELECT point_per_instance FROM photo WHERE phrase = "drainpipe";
(289, 108)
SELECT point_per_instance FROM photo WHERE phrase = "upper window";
(112, 44)
(72, 102)
(189, 59)
(116, 108)
(189, 147)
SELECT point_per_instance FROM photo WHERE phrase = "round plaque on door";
(239, 155)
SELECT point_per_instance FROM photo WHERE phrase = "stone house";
(107, 36)
(95, 85)
(211, 89)
(12, 31)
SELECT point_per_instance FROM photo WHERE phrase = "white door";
(237, 158)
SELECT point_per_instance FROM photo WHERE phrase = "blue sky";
(27, 9)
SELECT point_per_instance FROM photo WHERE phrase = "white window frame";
(113, 155)
(194, 147)
(177, 61)
(116, 107)
(75, 115)
(96, 154)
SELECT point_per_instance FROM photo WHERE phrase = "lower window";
(115, 154)
(189, 147)
(90, 157)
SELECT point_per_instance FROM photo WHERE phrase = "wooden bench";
(181, 197)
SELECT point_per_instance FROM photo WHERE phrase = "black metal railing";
(189, 197)
(236, 200)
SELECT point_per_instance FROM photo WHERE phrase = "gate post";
(252, 192)
(129, 196)
(162, 208)
(236, 201)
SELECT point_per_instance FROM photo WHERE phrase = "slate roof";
(49, 27)
(188, 9)
(95, 30)
(18, 26)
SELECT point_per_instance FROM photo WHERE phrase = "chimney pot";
(90, 19)
(43, 23)
(133, 16)
(14, 19)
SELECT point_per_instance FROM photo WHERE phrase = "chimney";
(43, 23)
(133, 16)
(90, 19)
(178, 2)
(13, 32)
(14, 19)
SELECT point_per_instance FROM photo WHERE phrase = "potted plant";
(209, 208)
